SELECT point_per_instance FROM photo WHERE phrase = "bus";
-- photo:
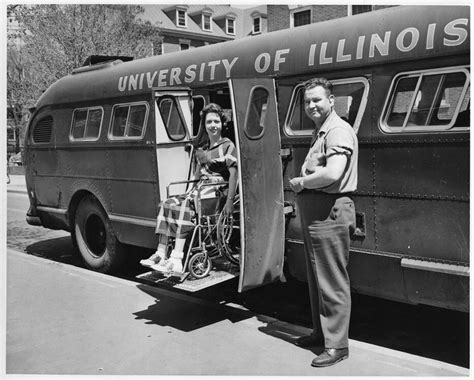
(104, 142)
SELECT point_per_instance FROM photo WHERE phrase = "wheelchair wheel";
(228, 234)
(199, 265)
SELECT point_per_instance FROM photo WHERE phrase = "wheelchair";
(214, 235)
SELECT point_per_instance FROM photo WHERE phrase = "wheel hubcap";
(96, 236)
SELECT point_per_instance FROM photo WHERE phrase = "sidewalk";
(63, 319)
(17, 183)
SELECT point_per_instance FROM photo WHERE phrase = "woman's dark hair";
(213, 108)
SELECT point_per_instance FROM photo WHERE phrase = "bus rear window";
(428, 101)
(128, 121)
(86, 124)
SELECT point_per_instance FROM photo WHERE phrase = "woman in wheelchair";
(217, 163)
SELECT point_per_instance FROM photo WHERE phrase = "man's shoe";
(330, 356)
(309, 341)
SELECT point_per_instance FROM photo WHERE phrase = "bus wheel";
(95, 239)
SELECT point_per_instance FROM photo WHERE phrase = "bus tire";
(97, 244)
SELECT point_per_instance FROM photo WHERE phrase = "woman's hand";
(229, 208)
(202, 156)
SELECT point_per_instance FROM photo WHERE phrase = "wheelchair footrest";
(160, 277)
(189, 284)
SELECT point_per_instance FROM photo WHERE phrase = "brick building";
(290, 16)
(189, 26)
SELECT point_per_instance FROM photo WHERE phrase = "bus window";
(86, 124)
(198, 105)
(172, 119)
(128, 121)
(351, 99)
(427, 101)
(256, 113)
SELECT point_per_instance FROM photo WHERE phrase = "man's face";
(317, 104)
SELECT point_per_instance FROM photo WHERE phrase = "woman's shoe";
(162, 266)
(175, 265)
(153, 259)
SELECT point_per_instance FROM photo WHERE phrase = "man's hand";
(296, 184)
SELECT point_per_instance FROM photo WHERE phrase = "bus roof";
(394, 34)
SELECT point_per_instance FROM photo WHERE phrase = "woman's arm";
(229, 203)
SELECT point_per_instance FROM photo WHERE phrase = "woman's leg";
(175, 262)
(160, 254)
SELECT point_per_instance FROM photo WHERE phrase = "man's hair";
(323, 82)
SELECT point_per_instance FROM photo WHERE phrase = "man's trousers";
(327, 220)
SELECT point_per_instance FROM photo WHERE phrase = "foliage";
(53, 39)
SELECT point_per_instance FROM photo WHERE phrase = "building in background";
(291, 16)
(185, 27)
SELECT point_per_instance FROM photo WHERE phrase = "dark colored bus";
(117, 133)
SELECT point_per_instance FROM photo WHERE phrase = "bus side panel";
(43, 160)
(133, 187)
(44, 171)
(425, 212)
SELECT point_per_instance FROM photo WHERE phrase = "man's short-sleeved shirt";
(334, 137)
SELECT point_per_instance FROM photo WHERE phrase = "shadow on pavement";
(58, 249)
(417, 329)
(184, 314)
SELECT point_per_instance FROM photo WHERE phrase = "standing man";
(330, 168)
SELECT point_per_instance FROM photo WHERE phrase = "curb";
(21, 191)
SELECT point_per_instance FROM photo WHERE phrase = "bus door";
(173, 123)
(260, 178)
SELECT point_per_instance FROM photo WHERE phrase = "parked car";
(16, 160)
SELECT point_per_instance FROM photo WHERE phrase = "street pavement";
(17, 183)
(66, 320)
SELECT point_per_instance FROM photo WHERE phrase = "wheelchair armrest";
(178, 183)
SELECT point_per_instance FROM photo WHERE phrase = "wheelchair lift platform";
(220, 272)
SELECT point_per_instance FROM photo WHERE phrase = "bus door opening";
(173, 134)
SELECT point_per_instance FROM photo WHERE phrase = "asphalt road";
(420, 330)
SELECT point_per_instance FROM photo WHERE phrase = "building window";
(184, 44)
(257, 27)
(11, 135)
(206, 22)
(428, 101)
(300, 17)
(356, 9)
(181, 18)
(158, 48)
(230, 26)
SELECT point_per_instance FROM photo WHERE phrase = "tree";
(53, 39)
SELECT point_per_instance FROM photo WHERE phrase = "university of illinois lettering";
(352, 49)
